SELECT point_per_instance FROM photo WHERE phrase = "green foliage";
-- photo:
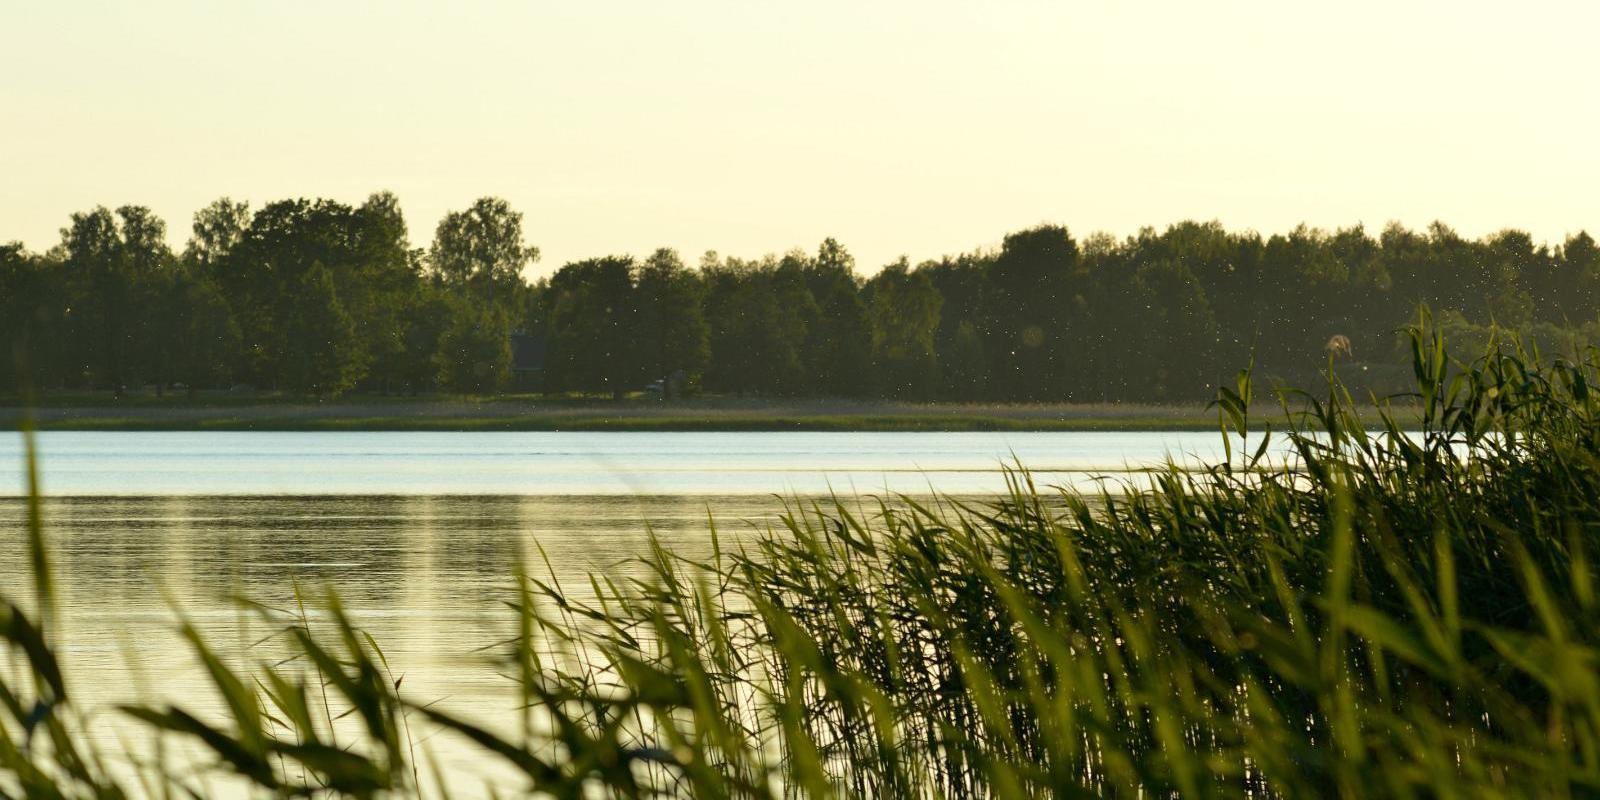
(388, 290)
(217, 229)
(965, 369)
(1158, 317)
(473, 353)
(117, 264)
(837, 352)
(201, 335)
(757, 313)
(1178, 325)
(429, 312)
(27, 319)
(903, 307)
(320, 354)
(671, 334)
(1026, 318)
(593, 327)
(482, 249)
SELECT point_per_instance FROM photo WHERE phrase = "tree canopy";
(317, 297)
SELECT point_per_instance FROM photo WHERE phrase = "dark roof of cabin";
(527, 351)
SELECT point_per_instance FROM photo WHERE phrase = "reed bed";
(1389, 614)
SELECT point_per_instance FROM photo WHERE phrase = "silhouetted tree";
(671, 332)
(388, 288)
(32, 300)
(904, 310)
(1028, 302)
(757, 313)
(958, 343)
(1176, 328)
(321, 297)
(593, 320)
(217, 229)
(474, 353)
(965, 369)
(321, 355)
(200, 324)
(1572, 294)
(424, 359)
(115, 264)
(838, 342)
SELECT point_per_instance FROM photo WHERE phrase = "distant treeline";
(320, 298)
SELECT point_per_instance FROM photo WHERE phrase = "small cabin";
(527, 361)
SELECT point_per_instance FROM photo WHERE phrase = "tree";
(151, 273)
(217, 229)
(482, 249)
(757, 313)
(1176, 330)
(1027, 325)
(321, 356)
(1303, 298)
(904, 311)
(593, 324)
(199, 316)
(671, 331)
(429, 313)
(263, 273)
(204, 334)
(387, 289)
(958, 345)
(838, 337)
(322, 297)
(31, 304)
(964, 367)
(1576, 289)
(364, 254)
(115, 264)
(99, 320)
(474, 353)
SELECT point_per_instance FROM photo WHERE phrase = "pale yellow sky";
(750, 127)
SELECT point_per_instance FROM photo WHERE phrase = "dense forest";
(320, 298)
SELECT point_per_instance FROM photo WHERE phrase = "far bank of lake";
(101, 412)
(530, 413)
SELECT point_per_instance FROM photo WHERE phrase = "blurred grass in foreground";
(1389, 615)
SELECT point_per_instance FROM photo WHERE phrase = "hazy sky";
(916, 128)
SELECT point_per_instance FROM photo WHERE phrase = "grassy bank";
(1386, 617)
(95, 412)
(536, 414)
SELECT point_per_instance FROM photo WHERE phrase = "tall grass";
(1388, 614)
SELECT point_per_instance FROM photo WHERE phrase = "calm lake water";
(420, 531)
(587, 463)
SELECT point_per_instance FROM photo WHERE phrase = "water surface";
(421, 531)
(574, 463)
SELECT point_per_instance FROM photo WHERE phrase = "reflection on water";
(575, 463)
(423, 574)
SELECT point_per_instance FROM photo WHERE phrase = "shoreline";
(523, 414)
(529, 413)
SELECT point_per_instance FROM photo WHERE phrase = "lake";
(84, 463)
(420, 532)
